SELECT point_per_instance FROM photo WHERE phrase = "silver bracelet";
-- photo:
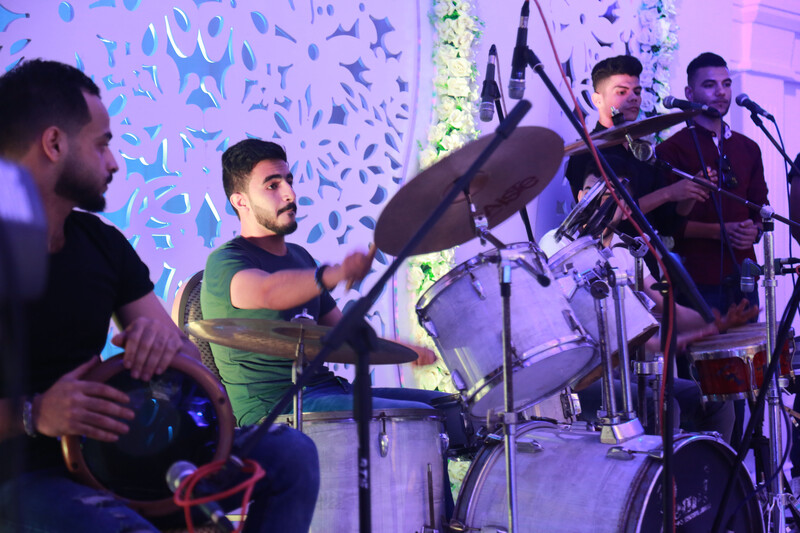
(27, 418)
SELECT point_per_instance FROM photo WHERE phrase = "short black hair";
(38, 94)
(706, 59)
(239, 160)
(619, 165)
(611, 66)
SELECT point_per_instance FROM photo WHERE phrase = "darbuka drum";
(580, 256)
(404, 445)
(568, 481)
(180, 415)
(462, 312)
(732, 365)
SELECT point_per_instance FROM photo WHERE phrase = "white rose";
(458, 119)
(442, 8)
(648, 101)
(435, 133)
(458, 87)
(426, 158)
(453, 141)
(428, 377)
(459, 67)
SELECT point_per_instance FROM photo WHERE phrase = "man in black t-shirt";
(53, 123)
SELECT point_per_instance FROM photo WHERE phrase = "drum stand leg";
(616, 427)
(297, 371)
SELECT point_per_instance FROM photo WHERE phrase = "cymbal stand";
(297, 366)
(509, 418)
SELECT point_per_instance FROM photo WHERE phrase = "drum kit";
(516, 329)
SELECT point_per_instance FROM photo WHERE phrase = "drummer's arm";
(150, 337)
(253, 288)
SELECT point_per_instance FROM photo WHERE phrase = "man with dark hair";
(259, 275)
(711, 259)
(719, 232)
(53, 123)
(617, 92)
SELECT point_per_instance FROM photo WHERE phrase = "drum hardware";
(297, 366)
(430, 526)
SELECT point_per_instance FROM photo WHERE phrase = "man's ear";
(239, 202)
(687, 91)
(597, 100)
(54, 143)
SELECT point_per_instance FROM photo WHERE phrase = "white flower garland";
(453, 126)
(658, 41)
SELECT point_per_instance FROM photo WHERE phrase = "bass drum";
(568, 481)
(181, 415)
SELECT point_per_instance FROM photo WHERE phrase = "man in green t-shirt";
(259, 275)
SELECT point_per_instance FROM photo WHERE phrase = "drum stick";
(373, 248)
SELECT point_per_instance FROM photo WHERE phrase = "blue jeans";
(337, 395)
(49, 500)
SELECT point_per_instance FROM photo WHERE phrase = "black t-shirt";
(95, 274)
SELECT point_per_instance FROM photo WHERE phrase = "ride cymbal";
(514, 175)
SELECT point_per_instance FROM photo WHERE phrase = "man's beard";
(271, 223)
(73, 185)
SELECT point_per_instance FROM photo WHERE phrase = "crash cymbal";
(640, 128)
(279, 338)
(519, 170)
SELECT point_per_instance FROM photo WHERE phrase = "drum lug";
(572, 322)
(444, 440)
(619, 453)
(528, 445)
(428, 326)
(383, 438)
(476, 284)
(458, 380)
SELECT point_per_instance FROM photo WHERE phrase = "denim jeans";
(284, 500)
(337, 395)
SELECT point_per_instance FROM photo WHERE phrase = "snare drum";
(569, 482)
(180, 415)
(462, 312)
(580, 256)
(731, 366)
(406, 445)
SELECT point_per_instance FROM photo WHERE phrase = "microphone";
(488, 92)
(750, 269)
(179, 471)
(516, 87)
(744, 101)
(670, 102)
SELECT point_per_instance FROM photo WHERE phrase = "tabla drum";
(731, 366)
(181, 415)
(569, 482)
(462, 312)
(406, 444)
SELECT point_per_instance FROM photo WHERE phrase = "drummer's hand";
(150, 346)
(72, 406)
(737, 315)
(425, 356)
(355, 266)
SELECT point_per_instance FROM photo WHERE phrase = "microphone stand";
(353, 328)
(523, 213)
(776, 488)
(677, 273)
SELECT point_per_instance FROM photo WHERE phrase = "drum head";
(180, 415)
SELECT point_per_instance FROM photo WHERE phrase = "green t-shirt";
(254, 381)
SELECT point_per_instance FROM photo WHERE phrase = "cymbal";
(514, 175)
(279, 338)
(640, 128)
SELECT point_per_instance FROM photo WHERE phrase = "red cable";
(184, 499)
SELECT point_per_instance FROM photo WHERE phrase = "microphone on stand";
(516, 87)
(488, 93)
(179, 471)
(750, 269)
(744, 101)
(670, 102)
